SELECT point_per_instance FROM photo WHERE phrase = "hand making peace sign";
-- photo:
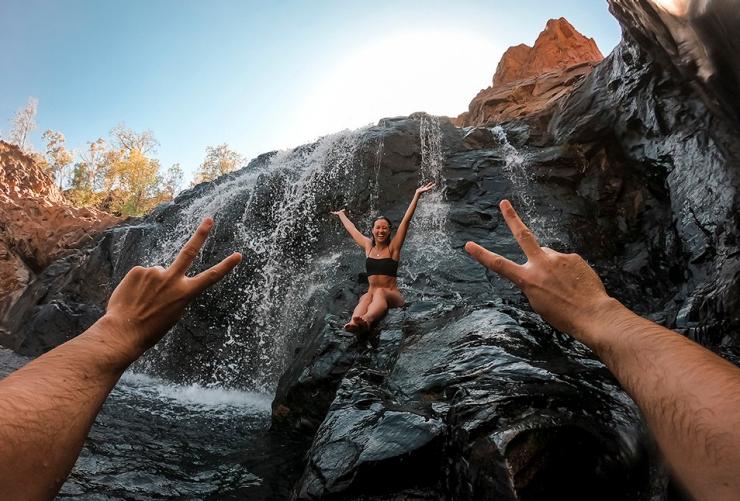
(149, 301)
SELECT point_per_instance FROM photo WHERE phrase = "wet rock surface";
(464, 393)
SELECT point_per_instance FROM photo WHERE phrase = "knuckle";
(190, 252)
(497, 263)
(137, 271)
(525, 234)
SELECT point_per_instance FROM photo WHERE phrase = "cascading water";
(429, 242)
(276, 298)
(374, 185)
(516, 169)
(277, 229)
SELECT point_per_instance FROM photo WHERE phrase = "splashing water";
(277, 230)
(429, 243)
(516, 169)
(277, 298)
(374, 186)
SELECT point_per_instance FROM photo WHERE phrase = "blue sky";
(258, 75)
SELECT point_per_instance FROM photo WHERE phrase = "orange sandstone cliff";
(530, 80)
(37, 224)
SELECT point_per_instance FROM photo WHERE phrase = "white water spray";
(429, 243)
(516, 169)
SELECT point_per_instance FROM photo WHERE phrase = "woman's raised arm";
(358, 237)
(403, 228)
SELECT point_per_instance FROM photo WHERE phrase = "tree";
(219, 161)
(129, 140)
(57, 156)
(131, 181)
(88, 175)
(24, 123)
(172, 181)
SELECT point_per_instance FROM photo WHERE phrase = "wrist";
(116, 340)
(591, 326)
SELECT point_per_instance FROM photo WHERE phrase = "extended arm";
(689, 396)
(356, 235)
(403, 228)
(48, 406)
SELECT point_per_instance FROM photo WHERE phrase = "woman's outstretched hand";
(562, 288)
(338, 212)
(149, 301)
(425, 188)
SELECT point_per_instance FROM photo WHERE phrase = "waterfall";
(274, 215)
(516, 170)
(374, 185)
(291, 273)
(429, 242)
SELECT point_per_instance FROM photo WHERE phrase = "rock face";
(558, 47)
(38, 225)
(465, 393)
(529, 80)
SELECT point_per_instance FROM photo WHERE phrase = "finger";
(190, 250)
(215, 273)
(523, 235)
(507, 269)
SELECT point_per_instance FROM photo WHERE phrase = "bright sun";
(438, 72)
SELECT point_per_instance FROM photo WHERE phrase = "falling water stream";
(517, 171)
(280, 243)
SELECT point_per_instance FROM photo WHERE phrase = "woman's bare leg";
(377, 308)
(359, 311)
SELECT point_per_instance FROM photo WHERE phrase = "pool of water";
(157, 440)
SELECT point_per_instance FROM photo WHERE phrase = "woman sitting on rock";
(383, 253)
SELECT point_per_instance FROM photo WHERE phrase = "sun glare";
(675, 7)
(436, 71)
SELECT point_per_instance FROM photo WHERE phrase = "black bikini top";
(384, 266)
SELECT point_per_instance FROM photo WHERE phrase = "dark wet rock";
(479, 137)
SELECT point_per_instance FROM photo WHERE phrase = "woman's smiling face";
(381, 230)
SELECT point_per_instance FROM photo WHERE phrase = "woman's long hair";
(390, 226)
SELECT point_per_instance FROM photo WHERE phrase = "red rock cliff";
(37, 224)
(531, 79)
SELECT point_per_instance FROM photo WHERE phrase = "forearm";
(348, 225)
(49, 405)
(689, 396)
(410, 210)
